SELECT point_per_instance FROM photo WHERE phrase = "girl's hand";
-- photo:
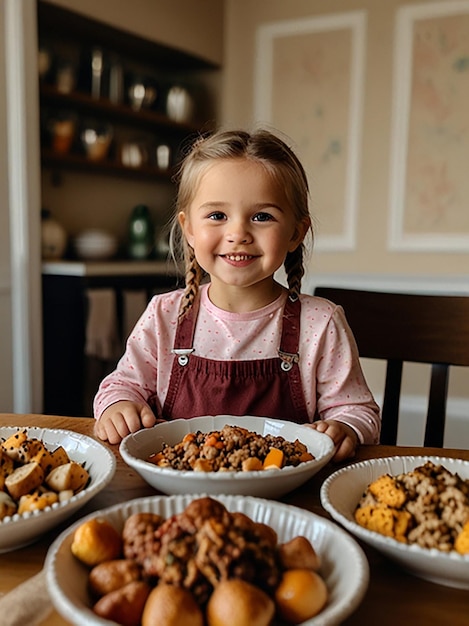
(122, 418)
(343, 436)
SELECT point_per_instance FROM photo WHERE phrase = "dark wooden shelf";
(60, 23)
(119, 113)
(78, 162)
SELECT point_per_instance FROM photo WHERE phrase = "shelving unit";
(59, 27)
(65, 304)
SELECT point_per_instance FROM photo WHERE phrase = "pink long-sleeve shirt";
(333, 382)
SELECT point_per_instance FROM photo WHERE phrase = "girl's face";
(241, 227)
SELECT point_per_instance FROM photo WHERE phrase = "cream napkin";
(28, 604)
(102, 335)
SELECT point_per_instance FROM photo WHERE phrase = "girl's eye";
(216, 216)
(262, 217)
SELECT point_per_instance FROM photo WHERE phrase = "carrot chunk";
(274, 458)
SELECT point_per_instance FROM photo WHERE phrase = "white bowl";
(137, 447)
(341, 492)
(95, 244)
(20, 530)
(344, 565)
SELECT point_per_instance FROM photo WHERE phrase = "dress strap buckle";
(183, 355)
(288, 359)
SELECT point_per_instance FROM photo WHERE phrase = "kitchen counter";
(109, 268)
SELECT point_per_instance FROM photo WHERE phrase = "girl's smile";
(241, 228)
(238, 260)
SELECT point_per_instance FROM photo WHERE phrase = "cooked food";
(7, 505)
(37, 501)
(428, 506)
(67, 476)
(301, 594)
(24, 479)
(111, 575)
(32, 477)
(461, 543)
(236, 602)
(96, 541)
(170, 605)
(125, 605)
(231, 449)
(298, 553)
(203, 546)
(205, 565)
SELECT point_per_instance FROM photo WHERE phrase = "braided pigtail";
(295, 270)
(194, 276)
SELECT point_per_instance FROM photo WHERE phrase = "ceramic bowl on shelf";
(341, 493)
(137, 447)
(95, 245)
(344, 566)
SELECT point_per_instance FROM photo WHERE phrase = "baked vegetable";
(69, 476)
(37, 501)
(8, 506)
(24, 479)
(13, 444)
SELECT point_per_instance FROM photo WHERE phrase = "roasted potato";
(112, 575)
(125, 605)
(24, 479)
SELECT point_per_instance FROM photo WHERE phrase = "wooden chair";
(399, 328)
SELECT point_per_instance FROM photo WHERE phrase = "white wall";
(369, 261)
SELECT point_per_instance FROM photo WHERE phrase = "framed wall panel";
(429, 183)
(309, 85)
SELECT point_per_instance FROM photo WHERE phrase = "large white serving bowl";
(341, 492)
(137, 447)
(20, 530)
(344, 566)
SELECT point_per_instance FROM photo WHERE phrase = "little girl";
(241, 344)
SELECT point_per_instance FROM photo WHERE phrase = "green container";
(141, 233)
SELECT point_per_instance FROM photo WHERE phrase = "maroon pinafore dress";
(263, 388)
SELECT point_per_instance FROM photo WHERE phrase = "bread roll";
(95, 541)
(238, 603)
(301, 595)
(169, 605)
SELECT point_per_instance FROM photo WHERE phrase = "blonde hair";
(279, 160)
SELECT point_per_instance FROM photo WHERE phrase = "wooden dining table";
(393, 596)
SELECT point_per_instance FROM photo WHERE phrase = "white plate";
(344, 565)
(341, 492)
(137, 447)
(20, 530)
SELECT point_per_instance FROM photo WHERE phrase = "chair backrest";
(398, 328)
